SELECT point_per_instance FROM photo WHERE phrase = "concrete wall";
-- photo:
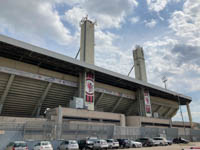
(90, 114)
(114, 89)
(137, 121)
(6, 119)
(4, 62)
(164, 101)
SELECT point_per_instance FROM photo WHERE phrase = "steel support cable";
(77, 54)
(131, 70)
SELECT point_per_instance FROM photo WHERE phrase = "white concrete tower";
(139, 61)
(143, 96)
(87, 41)
(87, 77)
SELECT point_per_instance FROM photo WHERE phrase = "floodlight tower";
(164, 80)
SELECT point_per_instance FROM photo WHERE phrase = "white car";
(43, 145)
(17, 145)
(132, 143)
(100, 144)
(112, 143)
(160, 141)
(69, 145)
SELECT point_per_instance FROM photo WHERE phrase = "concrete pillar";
(143, 98)
(189, 115)
(122, 120)
(139, 62)
(143, 102)
(140, 102)
(59, 121)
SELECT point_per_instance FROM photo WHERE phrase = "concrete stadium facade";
(33, 79)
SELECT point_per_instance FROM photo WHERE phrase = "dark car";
(123, 143)
(146, 141)
(169, 142)
(180, 140)
(85, 144)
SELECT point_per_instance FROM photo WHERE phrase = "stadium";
(38, 85)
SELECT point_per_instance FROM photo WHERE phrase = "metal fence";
(55, 132)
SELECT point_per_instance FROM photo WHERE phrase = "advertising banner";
(89, 87)
(147, 104)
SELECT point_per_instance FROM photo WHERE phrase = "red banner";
(147, 102)
(90, 87)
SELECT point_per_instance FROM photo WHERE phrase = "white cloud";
(134, 20)
(162, 59)
(33, 20)
(109, 14)
(151, 23)
(110, 56)
(75, 15)
(158, 5)
(177, 54)
(186, 23)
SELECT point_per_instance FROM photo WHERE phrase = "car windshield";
(72, 142)
(157, 138)
(45, 143)
(103, 142)
(109, 140)
(20, 145)
(92, 140)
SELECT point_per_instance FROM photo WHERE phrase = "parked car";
(17, 145)
(180, 140)
(122, 143)
(160, 141)
(85, 144)
(135, 144)
(68, 145)
(169, 142)
(100, 144)
(112, 143)
(146, 141)
(43, 145)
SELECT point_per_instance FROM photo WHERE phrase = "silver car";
(132, 143)
(17, 145)
(43, 145)
(69, 145)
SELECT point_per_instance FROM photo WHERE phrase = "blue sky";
(168, 30)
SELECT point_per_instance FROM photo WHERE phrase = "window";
(38, 144)
(20, 145)
(45, 143)
(10, 144)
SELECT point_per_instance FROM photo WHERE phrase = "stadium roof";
(27, 53)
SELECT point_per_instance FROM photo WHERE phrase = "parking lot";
(172, 147)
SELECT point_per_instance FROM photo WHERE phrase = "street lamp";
(164, 80)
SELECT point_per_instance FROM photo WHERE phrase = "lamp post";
(164, 80)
